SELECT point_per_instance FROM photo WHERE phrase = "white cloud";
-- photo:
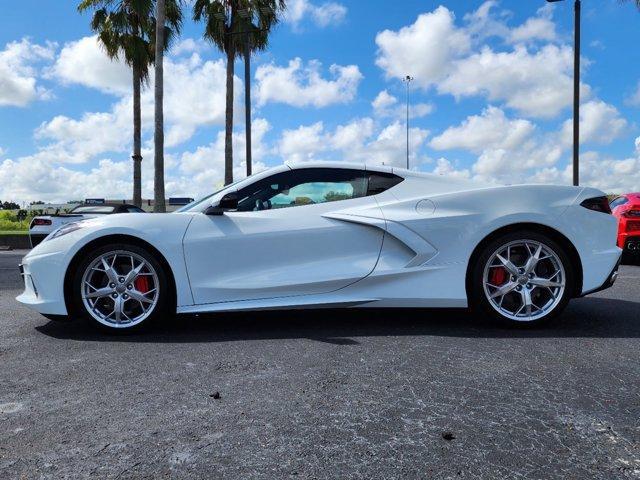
(19, 72)
(194, 97)
(535, 81)
(34, 178)
(322, 15)
(634, 98)
(491, 130)
(299, 85)
(596, 170)
(78, 141)
(423, 49)
(540, 28)
(84, 62)
(360, 141)
(386, 105)
(599, 123)
(445, 168)
(303, 143)
(507, 148)
(193, 173)
(538, 84)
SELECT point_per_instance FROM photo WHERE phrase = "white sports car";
(333, 235)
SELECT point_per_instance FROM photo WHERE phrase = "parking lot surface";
(324, 394)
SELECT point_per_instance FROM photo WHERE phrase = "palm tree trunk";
(228, 137)
(137, 141)
(158, 186)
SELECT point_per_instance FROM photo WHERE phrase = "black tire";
(162, 307)
(478, 298)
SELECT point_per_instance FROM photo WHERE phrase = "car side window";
(307, 186)
(380, 182)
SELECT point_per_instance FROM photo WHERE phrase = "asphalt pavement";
(324, 394)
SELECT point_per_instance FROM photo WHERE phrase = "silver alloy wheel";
(524, 280)
(120, 289)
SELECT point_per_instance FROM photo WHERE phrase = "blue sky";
(491, 97)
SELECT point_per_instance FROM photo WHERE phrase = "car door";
(280, 241)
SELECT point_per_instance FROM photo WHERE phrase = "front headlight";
(64, 229)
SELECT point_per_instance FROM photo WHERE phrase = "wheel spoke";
(141, 297)
(99, 293)
(131, 276)
(527, 303)
(504, 289)
(109, 271)
(117, 308)
(544, 282)
(511, 268)
(533, 260)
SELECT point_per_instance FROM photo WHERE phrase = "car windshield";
(93, 209)
(194, 205)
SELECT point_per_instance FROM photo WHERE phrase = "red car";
(626, 209)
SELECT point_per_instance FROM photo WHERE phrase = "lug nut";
(114, 295)
(125, 296)
(112, 285)
(121, 279)
(528, 286)
(521, 270)
(519, 288)
(130, 287)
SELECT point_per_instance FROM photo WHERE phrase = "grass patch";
(14, 232)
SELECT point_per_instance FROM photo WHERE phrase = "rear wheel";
(120, 288)
(522, 279)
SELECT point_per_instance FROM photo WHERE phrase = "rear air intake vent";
(597, 204)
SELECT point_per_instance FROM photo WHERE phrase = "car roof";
(344, 165)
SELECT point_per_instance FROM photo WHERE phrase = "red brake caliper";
(498, 276)
(142, 284)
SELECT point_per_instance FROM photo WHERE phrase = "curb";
(14, 242)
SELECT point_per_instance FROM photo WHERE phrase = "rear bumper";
(632, 245)
(611, 279)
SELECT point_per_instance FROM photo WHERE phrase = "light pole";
(576, 91)
(408, 79)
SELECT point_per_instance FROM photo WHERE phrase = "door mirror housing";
(227, 203)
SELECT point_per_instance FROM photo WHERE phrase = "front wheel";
(120, 288)
(522, 279)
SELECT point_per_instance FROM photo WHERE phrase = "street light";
(576, 92)
(408, 79)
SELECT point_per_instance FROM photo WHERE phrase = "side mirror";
(227, 203)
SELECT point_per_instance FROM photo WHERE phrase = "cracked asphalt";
(325, 394)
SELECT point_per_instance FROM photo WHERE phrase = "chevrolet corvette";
(333, 235)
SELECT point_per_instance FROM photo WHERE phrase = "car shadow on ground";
(586, 317)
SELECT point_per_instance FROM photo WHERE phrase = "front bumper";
(43, 277)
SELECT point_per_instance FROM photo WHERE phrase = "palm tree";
(226, 25)
(127, 28)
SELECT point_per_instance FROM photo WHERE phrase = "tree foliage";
(126, 29)
(226, 20)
